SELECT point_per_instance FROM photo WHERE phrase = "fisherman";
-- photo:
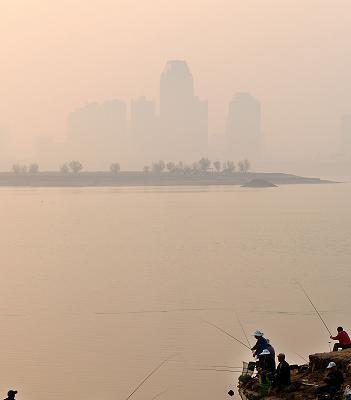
(266, 361)
(11, 395)
(282, 374)
(270, 348)
(260, 345)
(333, 380)
(263, 381)
(343, 338)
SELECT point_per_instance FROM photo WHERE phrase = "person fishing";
(281, 378)
(11, 394)
(271, 349)
(261, 343)
(333, 381)
(266, 361)
(343, 338)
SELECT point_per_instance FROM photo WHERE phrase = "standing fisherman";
(271, 348)
(261, 343)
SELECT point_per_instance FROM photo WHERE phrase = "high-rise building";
(97, 133)
(243, 127)
(183, 117)
(346, 134)
(144, 130)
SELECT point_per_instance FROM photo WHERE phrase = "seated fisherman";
(282, 373)
(333, 380)
(343, 338)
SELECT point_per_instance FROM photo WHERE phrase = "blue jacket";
(260, 345)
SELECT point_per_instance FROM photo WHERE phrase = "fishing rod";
(309, 299)
(228, 334)
(173, 310)
(148, 377)
(222, 366)
(302, 358)
(220, 370)
(159, 394)
(242, 328)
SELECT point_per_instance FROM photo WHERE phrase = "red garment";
(343, 338)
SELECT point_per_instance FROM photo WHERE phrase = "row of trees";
(24, 169)
(73, 167)
(202, 166)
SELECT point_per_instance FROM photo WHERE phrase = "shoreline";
(107, 179)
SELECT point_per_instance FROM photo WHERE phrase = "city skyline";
(177, 130)
(54, 62)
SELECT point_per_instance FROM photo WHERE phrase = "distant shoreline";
(130, 178)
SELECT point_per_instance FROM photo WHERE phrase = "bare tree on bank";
(244, 166)
(180, 167)
(187, 170)
(75, 166)
(171, 167)
(204, 164)
(33, 168)
(158, 167)
(19, 169)
(217, 165)
(229, 167)
(64, 169)
(115, 168)
(195, 168)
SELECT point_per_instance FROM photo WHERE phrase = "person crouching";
(332, 382)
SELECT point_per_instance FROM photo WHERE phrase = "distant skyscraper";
(243, 127)
(346, 134)
(97, 133)
(184, 127)
(144, 130)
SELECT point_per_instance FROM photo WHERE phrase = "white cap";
(331, 365)
(265, 352)
(257, 333)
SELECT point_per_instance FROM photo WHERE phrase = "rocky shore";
(304, 380)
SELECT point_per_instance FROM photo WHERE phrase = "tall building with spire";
(183, 116)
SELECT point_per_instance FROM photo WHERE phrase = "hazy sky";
(294, 55)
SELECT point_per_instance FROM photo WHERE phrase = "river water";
(100, 285)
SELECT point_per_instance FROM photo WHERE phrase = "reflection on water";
(100, 285)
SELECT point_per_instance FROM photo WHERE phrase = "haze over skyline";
(292, 55)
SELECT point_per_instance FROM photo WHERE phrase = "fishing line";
(149, 376)
(228, 334)
(309, 299)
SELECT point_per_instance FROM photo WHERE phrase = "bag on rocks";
(347, 393)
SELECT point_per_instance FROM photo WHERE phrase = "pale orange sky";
(294, 55)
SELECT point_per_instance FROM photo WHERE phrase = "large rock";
(319, 361)
(259, 183)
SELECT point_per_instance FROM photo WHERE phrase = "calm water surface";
(98, 286)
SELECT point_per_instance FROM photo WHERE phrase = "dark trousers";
(341, 346)
(327, 389)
